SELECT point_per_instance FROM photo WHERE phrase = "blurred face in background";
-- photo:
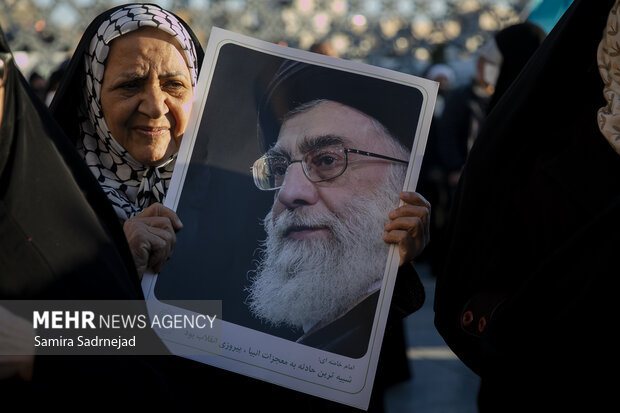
(487, 73)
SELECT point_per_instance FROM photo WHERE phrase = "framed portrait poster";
(287, 171)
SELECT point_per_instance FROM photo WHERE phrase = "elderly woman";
(125, 103)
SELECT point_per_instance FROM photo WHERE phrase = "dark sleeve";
(408, 296)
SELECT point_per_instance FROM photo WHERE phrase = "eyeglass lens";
(318, 165)
(325, 163)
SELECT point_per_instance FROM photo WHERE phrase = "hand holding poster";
(288, 169)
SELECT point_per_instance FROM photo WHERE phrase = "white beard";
(301, 282)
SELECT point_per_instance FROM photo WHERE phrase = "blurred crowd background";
(449, 41)
(404, 35)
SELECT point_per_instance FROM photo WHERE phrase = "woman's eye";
(174, 85)
(129, 86)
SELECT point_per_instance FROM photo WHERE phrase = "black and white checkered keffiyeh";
(129, 185)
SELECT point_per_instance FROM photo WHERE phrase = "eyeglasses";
(5, 58)
(318, 165)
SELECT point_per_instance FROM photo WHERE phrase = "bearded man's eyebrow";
(311, 143)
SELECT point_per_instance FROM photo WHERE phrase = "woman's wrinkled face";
(146, 94)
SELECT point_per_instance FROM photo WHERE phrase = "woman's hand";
(151, 236)
(409, 226)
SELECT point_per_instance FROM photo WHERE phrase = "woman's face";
(146, 95)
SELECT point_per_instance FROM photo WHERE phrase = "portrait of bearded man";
(336, 172)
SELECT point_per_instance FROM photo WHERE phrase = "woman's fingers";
(409, 226)
(151, 237)
(158, 210)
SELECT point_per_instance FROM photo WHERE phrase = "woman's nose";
(153, 103)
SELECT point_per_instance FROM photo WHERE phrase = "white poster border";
(269, 358)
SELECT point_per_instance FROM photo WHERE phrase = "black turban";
(396, 106)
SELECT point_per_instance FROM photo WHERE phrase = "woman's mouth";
(152, 132)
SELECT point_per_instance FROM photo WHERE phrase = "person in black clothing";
(60, 241)
(526, 298)
(499, 63)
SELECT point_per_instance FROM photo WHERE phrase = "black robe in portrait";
(349, 334)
